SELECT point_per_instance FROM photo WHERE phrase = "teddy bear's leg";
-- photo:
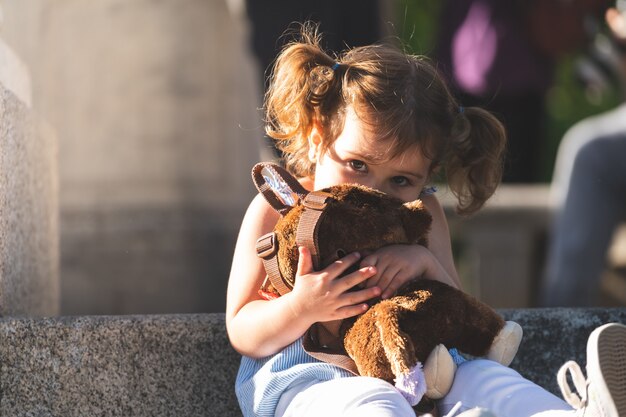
(505, 345)
(399, 350)
(439, 369)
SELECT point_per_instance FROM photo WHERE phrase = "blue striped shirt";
(261, 382)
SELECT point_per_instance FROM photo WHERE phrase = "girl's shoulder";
(261, 211)
(307, 182)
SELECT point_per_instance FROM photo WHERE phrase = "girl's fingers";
(370, 261)
(384, 274)
(387, 278)
(373, 281)
(305, 263)
(358, 297)
(338, 267)
(392, 285)
(355, 278)
(352, 310)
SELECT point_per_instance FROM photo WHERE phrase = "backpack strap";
(306, 235)
(335, 355)
(267, 250)
(314, 204)
(281, 189)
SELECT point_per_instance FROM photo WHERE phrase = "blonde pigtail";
(474, 164)
(304, 88)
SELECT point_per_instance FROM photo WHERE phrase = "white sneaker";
(603, 393)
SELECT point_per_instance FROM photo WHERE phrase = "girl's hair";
(402, 98)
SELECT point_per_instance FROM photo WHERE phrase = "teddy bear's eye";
(340, 253)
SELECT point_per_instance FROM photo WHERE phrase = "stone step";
(176, 365)
(183, 365)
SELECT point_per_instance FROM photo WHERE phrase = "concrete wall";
(29, 244)
(155, 104)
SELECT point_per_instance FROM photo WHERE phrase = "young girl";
(387, 120)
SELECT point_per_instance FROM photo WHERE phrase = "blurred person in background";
(501, 54)
(589, 189)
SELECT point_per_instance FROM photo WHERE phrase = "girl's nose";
(380, 186)
(373, 183)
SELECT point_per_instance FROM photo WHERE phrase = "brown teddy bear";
(403, 339)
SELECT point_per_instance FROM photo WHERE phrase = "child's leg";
(349, 397)
(487, 384)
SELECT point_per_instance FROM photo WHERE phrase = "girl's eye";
(400, 181)
(357, 165)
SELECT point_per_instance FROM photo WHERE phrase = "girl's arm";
(257, 327)
(439, 238)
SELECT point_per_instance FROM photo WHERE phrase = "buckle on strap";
(316, 200)
(266, 245)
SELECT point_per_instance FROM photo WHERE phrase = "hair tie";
(461, 109)
(335, 66)
(320, 80)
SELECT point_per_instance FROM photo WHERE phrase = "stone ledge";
(500, 248)
(500, 251)
(553, 336)
(518, 199)
(179, 365)
(183, 365)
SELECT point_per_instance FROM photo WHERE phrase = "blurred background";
(155, 109)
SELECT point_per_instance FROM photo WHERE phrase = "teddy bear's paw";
(439, 370)
(505, 345)
(412, 385)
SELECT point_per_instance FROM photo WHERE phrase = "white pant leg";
(503, 391)
(345, 397)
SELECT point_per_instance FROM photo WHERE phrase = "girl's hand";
(323, 296)
(398, 264)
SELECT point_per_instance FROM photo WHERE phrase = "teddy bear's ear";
(281, 189)
(416, 221)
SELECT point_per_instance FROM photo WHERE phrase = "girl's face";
(357, 156)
